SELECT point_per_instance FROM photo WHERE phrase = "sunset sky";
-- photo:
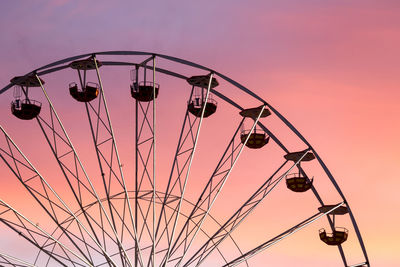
(330, 67)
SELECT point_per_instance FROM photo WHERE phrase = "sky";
(330, 67)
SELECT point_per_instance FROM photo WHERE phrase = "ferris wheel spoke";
(202, 230)
(240, 215)
(153, 238)
(102, 228)
(35, 233)
(39, 188)
(185, 152)
(172, 183)
(145, 216)
(145, 157)
(280, 237)
(41, 191)
(86, 244)
(113, 180)
(14, 261)
(230, 225)
(17, 230)
(72, 168)
(69, 221)
(211, 191)
(67, 256)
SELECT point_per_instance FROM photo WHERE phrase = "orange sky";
(330, 67)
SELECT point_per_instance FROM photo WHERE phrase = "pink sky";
(330, 67)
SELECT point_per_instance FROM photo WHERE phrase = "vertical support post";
(136, 83)
(136, 167)
(121, 179)
(173, 181)
(145, 158)
(154, 163)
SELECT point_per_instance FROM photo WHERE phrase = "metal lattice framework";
(114, 219)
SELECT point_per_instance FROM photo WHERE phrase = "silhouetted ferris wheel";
(91, 203)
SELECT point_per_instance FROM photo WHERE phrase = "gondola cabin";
(87, 94)
(196, 107)
(144, 91)
(337, 237)
(26, 109)
(298, 183)
(199, 100)
(256, 139)
(339, 234)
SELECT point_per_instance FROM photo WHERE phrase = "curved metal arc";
(264, 187)
(330, 176)
(177, 75)
(281, 236)
(6, 88)
(235, 84)
(358, 233)
(173, 59)
(180, 76)
(52, 70)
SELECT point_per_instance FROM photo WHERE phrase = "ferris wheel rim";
(55, 66)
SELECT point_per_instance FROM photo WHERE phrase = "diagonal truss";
(96, 224)
(37, 236)
(280, 237)
(46, 197)
(110, 168)
(210, 193)
(145, 145)
(72, 169)
(13, 261)
(233, 222)
(180, 172)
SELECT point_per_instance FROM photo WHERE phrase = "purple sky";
(331, 67)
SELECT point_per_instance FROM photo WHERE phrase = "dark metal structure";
(147, 225)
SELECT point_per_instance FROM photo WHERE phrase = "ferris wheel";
(172, 168)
